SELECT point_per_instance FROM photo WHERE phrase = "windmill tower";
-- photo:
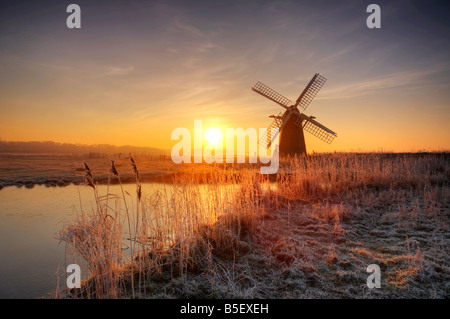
(291, 122)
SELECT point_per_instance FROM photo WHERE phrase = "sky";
(137, 70)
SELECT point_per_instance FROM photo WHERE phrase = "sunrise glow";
(213, 136)
(124, 81)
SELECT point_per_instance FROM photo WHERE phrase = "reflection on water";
(29, 220)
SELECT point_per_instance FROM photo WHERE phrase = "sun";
(213, 135)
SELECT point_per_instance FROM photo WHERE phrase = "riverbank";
(28, 170)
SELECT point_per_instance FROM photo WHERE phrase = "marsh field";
(147, 228)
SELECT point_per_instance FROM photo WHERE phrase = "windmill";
(291, 122)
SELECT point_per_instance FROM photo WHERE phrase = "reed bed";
(126, 241)
(219, 221)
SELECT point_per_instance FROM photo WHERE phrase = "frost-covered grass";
(231, 233)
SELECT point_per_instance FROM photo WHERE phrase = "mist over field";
(50, 147)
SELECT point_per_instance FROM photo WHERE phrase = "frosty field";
(227, 231)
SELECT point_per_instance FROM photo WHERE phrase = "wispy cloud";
(115, 70)
(409, 78)
(185, 27)
(55, 67)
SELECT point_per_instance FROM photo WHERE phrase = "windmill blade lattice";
(267, 139)
(267, 92)
(316, 129)
(310, 91)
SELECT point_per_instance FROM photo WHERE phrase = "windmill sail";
(310, 91)
(267, 139)
(315, 128)
(267, 92)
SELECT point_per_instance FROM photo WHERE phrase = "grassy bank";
(226, 233)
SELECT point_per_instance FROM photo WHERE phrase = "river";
(30, 218)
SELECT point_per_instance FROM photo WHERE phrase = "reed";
(215, 212)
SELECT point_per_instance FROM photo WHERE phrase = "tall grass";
(127, 240)
(212, 213)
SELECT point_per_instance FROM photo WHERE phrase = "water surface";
(29, 220)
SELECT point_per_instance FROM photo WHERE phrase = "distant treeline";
(50, 147)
